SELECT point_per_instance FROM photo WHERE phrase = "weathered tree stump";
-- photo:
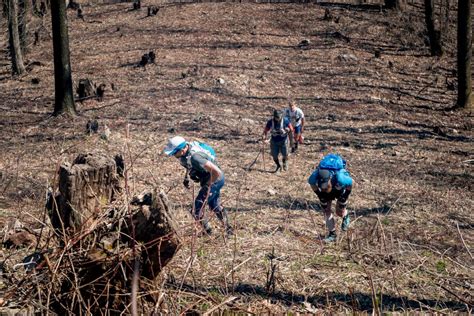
(100, 91)
(85, 89)
(84, 187)
(153, 10)
(153, 227)
(140, 238)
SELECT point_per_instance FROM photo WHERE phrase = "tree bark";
(84, 187)
(24, 7)
(18, 66)
(464, 54)
(64, 99)
(112, 244)
(433, 34)
(156, 229)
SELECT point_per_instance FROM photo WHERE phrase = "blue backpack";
(332, 162)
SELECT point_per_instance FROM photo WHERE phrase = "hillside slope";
(220, 70)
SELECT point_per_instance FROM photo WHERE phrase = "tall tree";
(464, 54)
(18, 66)
(433, 34)
(23, 15)
(64, 99)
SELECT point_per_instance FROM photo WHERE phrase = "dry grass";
(411, 158)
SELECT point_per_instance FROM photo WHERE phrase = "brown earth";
(220, 70)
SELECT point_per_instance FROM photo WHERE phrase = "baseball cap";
(277, 115)
(174, 145)
(324, 178)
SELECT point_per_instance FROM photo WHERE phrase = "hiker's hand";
(186, 183)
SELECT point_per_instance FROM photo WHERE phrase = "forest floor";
(220, 70)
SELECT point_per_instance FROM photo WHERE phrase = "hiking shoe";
(229, 231)
(331, 237)
(278, 167)
(293, 149)
(346, 221)
(207, 229)
(285, 166)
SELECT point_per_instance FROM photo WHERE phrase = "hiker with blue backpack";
(199, 160)
(279, 127)
(331, 181)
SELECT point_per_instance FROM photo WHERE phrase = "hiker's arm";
(290, 128)
(265, 132)
(186, 179)
(345, 180)
(315, 188)
(345, 195)
(213, 170)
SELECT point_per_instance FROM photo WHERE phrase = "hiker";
(278, 126)
(331, 181)
(199, 159)
(296, 117)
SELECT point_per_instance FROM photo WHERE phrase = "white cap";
(174, 145)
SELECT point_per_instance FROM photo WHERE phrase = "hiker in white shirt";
(296, 117)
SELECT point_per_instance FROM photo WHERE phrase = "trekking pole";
(263, 155)
(253, 162)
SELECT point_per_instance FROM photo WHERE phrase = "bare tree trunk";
(64, 99)
(18, 66)
(23, 6)
(464, 54)
(395, 4)
(433, 34)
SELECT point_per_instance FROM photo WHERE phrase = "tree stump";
(84, 187)
(85, 89)
(137, 239)
(155, 229)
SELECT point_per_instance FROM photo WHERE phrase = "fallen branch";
(237, 266)
(463, 242)
(227, 301)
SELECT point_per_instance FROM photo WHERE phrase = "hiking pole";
(263, 156)
(253, 162)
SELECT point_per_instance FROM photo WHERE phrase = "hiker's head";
(324, 180)
(277, 115)
(292, 104)
(176, 147)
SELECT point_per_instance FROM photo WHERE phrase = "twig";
(393, 205)
(455, 295)
(463, 242)
(135, 286)
(237, 266)
(227, 301)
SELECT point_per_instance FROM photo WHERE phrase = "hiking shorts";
(279, 147)
(297, 129)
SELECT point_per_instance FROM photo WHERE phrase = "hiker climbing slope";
(296, 117)
(199, 159)
(279, 127)
(331, 181)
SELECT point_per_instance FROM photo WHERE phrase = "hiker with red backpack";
(279, 127)
(199, 160)
(331, 181)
